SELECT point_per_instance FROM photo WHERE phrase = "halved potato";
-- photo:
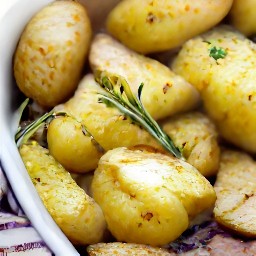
(125, 249)
(77, 214)
(235, 187)
(148, 197)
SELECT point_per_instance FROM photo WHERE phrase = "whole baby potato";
(76, 213)
(221, 65)
(164, 93)
(160, 25)
(148, 197)
(52, 51)
(243, 16)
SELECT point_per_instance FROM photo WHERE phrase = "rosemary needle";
(23, 134)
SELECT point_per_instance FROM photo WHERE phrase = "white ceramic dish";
(14, 14)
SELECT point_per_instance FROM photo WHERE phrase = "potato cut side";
(77, 214)
(235, 187)
(148, 197)
(164, 93)
(123, 249)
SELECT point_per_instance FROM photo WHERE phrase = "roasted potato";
(148, 197)
(129, 249)
(161, 25)
(163, 94)
(77, 214)
(221, 65)
(110, 128)
(235, 187)
(51, 52)
(243, 16)
(195, 135)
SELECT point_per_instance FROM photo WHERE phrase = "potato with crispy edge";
(148, 197)
(77, 214)
(51, 52)
(164, 93)
(108, 125)
(235, 187)
(243, 16)
(129, 249)
(196, 136)
(226, 85)
(164, 24)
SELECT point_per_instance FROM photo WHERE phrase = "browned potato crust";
(110, 249)
(235, 187)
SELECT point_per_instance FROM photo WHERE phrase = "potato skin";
(235, 187)
(227, 86)
(108, 125)
(243, 16)
(162, 25)
(196, 136)
(52, 51)
(148, 197)
(77, 214)
(164, 93)
(67, 143)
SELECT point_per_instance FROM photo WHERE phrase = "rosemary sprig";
(23, 134)
(119, 94)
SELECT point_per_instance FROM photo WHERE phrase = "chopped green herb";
(216, 52)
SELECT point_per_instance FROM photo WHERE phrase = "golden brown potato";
(129, 249)
(163, 94)
(77, 214)
(235, 187)
(243, 16)
(164, 24)
(226, 85)
(108, 125)
(195, 135)
(52, 51)
(148, 197)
